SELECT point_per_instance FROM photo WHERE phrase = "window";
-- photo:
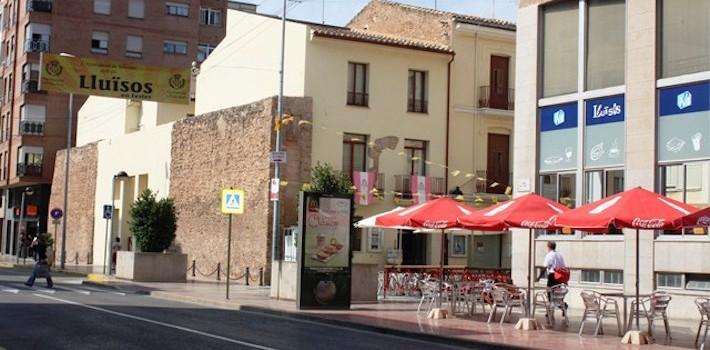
(290, 243)
(567, 194)
(684, 33)
(669, 280)
(210, 17)
(102, 7)
(613, 277)
(687, 183)
(203, 51)
(559, 51)
(606, 28)
(134, 46)
(30, 71)
(417, 95)
(136, 9)
(375, 237)
(354, 154)
(415, 155)
(177, 9)
(590, 276)
(458, 245)
(175, 47)
(99, 42)
(357, 84)
(698, 281)
(357, 235)
(603, 183)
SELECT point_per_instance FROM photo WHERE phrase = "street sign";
(232, 201)
(56, 213)
(108, 211)
(278, 157)
(274, 190)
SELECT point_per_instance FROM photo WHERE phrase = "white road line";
(85, 292)
(48, 291)
(168, 325)
(8, 290)
(105, 291)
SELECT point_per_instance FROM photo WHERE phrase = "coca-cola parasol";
(529, 211)
(700, 218)
(439, 214)
(636, 208)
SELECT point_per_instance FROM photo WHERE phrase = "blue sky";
(339, 12)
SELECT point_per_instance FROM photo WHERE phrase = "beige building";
(611, 95)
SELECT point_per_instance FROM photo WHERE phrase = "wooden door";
(499, 82)
(414, 248)
(498, 162)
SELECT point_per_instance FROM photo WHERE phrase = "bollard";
(261, 277)
(193, 268)
(76, 258)
(247, 275)
(88, 258)
(218, 268)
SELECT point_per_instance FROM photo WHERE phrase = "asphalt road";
(74, 316)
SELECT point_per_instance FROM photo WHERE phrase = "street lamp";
(28, 191)
(66, 171)
(109, 228)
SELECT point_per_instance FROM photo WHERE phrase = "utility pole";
(275, 236)
(322, 11)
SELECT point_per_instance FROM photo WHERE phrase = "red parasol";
(637, 208)
(700, 218)
(530, 211)
(440, 214)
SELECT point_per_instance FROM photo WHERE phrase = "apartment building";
(612, 95)
(33, 123)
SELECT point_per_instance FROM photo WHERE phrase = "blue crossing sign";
(108, 211)
(232, 201)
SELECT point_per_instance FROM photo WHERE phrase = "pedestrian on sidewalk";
(115, 247)
(41, 268)
(554, 262)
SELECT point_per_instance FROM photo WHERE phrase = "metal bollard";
(247, 275)
(193, 268)
(261, 277)
(76, 258)
(88, 258)
(219, 267)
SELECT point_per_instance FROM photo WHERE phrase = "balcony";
(31, 127)
(29, 86)
(379, 181)
(498, 98)
(403, 186)
(29, 170)
(39, 6)
(36, 45)
(358, 98)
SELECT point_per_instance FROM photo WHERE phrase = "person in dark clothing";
(456, 191)
(42, 265)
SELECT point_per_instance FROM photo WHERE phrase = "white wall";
(244, 67)
(100, 118)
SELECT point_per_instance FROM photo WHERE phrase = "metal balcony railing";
(31, 127)
(39, 6)
(358, 98)
(403, 186)
(379, 181)
(502, 98)
(29, 169)
(36, 45)
(29, 86)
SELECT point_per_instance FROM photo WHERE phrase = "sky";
(339, 12)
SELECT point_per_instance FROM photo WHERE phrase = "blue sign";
(605, 110)
(56, 213)
(684, 99)
(558, 117)
(108, 211)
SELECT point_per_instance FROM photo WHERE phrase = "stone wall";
(230, 148)
(80, 213)
(401, 20)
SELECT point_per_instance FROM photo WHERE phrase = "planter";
(151, 267)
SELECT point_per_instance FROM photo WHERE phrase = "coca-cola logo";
(648, 223)
(317, 219)
(704, 221)
(436, 224)
(540, 224)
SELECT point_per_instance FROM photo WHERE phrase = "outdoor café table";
(625, 297)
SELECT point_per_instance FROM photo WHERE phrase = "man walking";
(553, 261)
(41, 268)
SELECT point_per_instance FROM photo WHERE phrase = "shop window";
(590, 276)
(559, 51)
(613, 277)
(684, 33)
(567, 190)
(606, 29)
(698, 281)
(687, 183)
(669, 280)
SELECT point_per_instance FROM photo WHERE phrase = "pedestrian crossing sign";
(232, 201)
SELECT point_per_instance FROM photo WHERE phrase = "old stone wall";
(80, 212)
(401, 20)
(230, 148)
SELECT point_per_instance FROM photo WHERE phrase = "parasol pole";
(637, 280)
(441, 269)
(530, 266)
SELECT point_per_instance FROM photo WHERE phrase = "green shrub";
(324, 179)
(153, 222)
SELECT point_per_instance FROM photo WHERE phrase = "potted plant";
(153, 223)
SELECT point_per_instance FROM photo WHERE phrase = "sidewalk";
(400, 317)
(75, 269)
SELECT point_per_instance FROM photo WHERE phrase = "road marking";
(85, 292)
(168, 325)
(8, 290)
(105, 291)
(48, 291)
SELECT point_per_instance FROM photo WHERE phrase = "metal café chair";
(703, 305)
(506, 297)
(550, 300)
(597, 307)
(652, 308)
(430, 291)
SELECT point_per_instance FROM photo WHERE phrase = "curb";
(109, 286)
(479, 344)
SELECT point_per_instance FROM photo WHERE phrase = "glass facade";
(684, 34)
(559, 48)
(606, 25)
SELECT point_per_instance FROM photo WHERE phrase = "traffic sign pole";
(229, 251)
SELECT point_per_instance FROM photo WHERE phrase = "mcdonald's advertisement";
(89, 76)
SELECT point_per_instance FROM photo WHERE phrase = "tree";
(324, 179)
(153, 222)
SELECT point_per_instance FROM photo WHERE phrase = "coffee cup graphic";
(697, 139)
